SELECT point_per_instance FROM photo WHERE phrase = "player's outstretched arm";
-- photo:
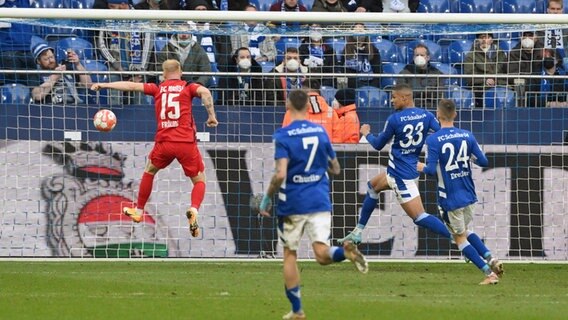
(207, 100)
(378, 142)
(479, 157)
(119, 85)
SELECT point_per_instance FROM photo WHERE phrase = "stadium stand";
(372, 97)
(499, 98)
(15, 93)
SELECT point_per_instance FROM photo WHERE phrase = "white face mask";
(184, 42)
(419, 61)
(292, 65)
(245, 64)
(527, 43)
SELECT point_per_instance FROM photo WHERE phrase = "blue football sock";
(293, 295)
(476, 242)
(470, 252)
(433, 224)
(337, 254)
(369, 205)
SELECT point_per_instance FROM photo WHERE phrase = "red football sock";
(145, 190)
(197, 194)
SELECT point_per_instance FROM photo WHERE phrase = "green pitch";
(254, 290)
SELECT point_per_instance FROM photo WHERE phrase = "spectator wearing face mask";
(525, 59)
(551, 89)
(317, 56)
(184, 48)
(362, 57)
(348, 124)
(425, 88)
(288, 75)
(484, 58)
(242, 88)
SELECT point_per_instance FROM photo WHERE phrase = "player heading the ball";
(175, 136)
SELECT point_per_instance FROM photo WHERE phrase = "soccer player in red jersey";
(175, 135)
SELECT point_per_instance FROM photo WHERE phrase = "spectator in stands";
(366, 5)
(348, 120)
(319, 112)
(288, 6)
(57, 88)
(328, 6)
(184, 48)
(278, 84)
(243, 89)
(397, 5)
(525, 59)
(15, 40)
(555, 38)
(362, 57)
(126, 51)
(484, 58)
(152, 5)
(317, 56)
(256, 39)
(549, 91)
(217, 47)
(425, 88)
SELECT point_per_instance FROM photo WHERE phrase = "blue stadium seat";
(434, 48)
(265, 5)
(49, 4)
(434, 6)
(267, 66)
(82, 47)
(372, 97)
(499, 98)
(463, 98)
(388, 69)
(388, 50)
(338, 44)
(80, 4)
(446, 68)
(160, 42)
(519, 6)
(328, 93)
(508, 44)
(15, 93)
(457, 51)
(214, 82)
(94, 97)
(477, 6)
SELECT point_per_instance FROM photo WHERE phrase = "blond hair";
(171, 66)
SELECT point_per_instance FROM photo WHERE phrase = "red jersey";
(173, 109)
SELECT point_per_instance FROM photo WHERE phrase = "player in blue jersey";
(449, 153)
(304, 157)
(407, 128)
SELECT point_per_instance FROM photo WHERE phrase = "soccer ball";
(104, 120)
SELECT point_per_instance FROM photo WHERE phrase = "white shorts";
(458, 220)
(405, 190)
(316, 225)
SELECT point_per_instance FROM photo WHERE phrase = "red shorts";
(186, 153)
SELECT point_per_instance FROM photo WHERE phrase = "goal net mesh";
(64, 184)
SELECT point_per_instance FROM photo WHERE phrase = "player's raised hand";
(212, 121)
(365, 130)
(420, 166)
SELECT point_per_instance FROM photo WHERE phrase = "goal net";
(64, 183)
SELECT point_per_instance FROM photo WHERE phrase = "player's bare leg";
(197, 195)
(377, 184)
(144, 191)
(292, 285)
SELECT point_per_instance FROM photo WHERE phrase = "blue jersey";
(409, 128)
(449, 153)
(308, 150)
